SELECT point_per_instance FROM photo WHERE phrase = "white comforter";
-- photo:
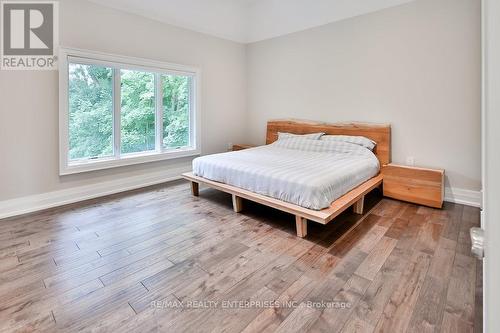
(309, 173)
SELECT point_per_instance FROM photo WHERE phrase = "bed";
(312, 179)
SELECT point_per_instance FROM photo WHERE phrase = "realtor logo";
(29, 35)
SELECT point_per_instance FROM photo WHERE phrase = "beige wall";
(416, 66)
(29, 100)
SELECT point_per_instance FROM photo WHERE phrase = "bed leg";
(195, 189)
(237, 204)
(301, 224)
(359, 205)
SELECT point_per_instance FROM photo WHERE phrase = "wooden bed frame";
(380, 133)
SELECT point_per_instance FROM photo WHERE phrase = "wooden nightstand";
(241, 147)
(417, 185)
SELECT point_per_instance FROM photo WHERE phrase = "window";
(90, 111)
(118, 111)
(137, 111)
(176, 97)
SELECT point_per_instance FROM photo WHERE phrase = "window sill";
(124, 160)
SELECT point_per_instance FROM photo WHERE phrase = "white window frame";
(118, 62)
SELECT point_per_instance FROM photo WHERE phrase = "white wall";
(29, 100)
(491, 166)
(416, 66)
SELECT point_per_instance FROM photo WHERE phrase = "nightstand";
(417, 185)
(241, 147)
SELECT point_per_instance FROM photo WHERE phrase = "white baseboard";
(464, 197)
(33, 203)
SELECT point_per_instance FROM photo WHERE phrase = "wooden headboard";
(380, 133)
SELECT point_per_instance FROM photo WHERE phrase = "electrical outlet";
(410, 160)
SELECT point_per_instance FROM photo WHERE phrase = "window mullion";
(117, 112)
(159, 112)
(193, 131)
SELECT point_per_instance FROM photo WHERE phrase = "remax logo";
(29, 34)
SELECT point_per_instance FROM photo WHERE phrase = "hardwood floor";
(161, 260)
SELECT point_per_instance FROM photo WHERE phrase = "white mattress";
(309, 173)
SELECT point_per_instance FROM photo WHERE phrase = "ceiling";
(248, 21)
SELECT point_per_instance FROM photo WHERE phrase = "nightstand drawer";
(412, 184)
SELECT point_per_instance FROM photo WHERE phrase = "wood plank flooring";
(161, 260)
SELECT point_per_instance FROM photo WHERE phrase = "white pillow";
(323, 146)
(358, 140)
(311, 136)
